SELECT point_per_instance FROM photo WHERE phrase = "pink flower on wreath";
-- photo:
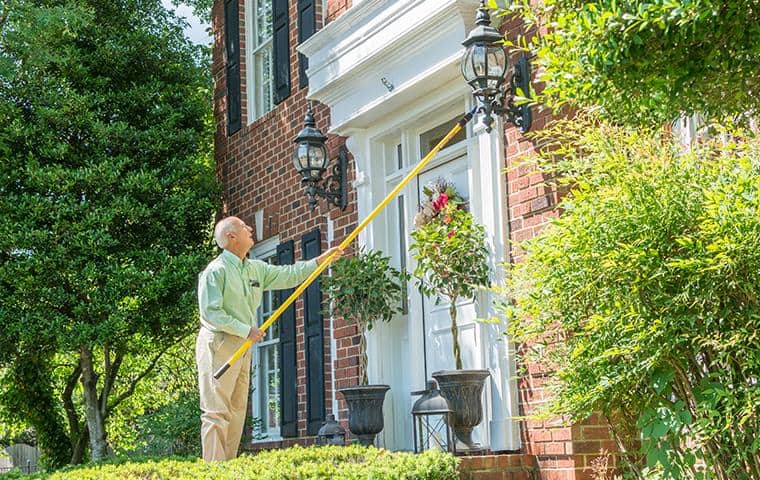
(451, 233)
(441, 201)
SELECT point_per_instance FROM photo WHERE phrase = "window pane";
(268, 371)
(264, 80)
(273, 406)
(263, 21)
(430, 139)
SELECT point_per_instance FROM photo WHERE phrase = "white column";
(333, 342)
(487, 157)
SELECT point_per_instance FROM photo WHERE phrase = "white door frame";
(485, 153)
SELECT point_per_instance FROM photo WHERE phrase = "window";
(265, 374)
(430, 138)
(259, 57)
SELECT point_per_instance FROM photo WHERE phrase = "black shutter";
(307, 25)
(288, 370)
(232, 48)
(280, 50)
(314, 332)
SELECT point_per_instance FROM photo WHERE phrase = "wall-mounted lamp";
(311, 160)
(484, 65)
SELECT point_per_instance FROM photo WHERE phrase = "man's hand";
(323, 258)
(255, 334)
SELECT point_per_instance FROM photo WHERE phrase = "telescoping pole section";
(292, 298)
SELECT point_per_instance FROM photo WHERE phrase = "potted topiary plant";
(365, 289)
(449, 247)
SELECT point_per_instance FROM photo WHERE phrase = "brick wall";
(256, 170)
(498, 467)
(562, 452)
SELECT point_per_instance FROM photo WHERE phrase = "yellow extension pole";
(347, 241)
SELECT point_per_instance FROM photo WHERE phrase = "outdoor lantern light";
(484, 65)
(311, 160)
(331, 433)
(433, 421)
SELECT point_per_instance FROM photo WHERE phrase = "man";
(229, 293)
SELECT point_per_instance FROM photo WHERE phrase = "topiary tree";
(450, 250)
(365, 288)
(644, 295)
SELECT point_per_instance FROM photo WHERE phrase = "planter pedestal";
(365, 411)
(463, 389)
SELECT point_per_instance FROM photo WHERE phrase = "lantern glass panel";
(317, 157)
(496, 65)
(432, 433)
(301, 157)
(467, 70)
(479, 59)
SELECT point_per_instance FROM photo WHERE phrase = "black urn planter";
(463, 389)
(365, 411)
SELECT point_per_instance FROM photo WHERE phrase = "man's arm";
(289, 276)
(211, 305)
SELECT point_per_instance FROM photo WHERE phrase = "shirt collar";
(233, 259)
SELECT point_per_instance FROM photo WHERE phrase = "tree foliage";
(647, 62)
(162, 416)
(365, 289)
(107, 193)
(644, 295)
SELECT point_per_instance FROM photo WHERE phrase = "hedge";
(346, 463)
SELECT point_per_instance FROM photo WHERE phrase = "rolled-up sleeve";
(211, 304)
(287, 276)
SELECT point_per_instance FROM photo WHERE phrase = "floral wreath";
(442, 199)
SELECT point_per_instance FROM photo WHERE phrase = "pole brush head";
(221, 371)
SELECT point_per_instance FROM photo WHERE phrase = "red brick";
(595, 433)
(487, 475)
(557, 475)
(592, 446)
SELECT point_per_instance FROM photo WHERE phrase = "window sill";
(267, 440)
(277, 443)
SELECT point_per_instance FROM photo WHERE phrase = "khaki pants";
(224, 401)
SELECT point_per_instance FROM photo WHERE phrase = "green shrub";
(344, 463)
(644, 296)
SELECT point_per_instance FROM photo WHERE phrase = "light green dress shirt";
(230, 290)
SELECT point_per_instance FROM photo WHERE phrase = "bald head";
(224, 227)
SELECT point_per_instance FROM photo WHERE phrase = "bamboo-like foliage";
(644, 296)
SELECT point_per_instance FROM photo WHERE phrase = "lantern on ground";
(331, 433)
(432, 421)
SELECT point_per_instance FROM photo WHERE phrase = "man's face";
(241, 239)
(245, 235)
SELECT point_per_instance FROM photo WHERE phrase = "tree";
(365, 289)
(107, 193)
(647, 62)
(450, 249)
